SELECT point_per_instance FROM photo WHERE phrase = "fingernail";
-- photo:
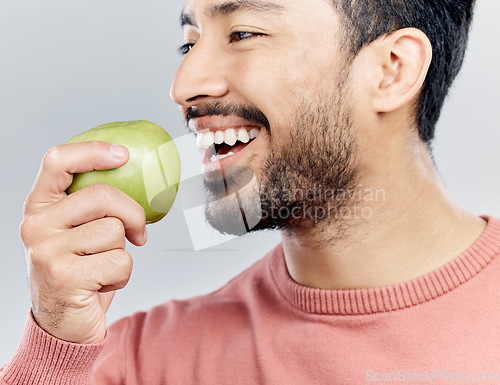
(145, 235)
(118, 152)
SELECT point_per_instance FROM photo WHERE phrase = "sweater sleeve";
(42, 358)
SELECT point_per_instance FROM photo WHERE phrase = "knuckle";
(137, 213)
(27, 204)
(51, 157)
(100, 192)
(124, 262)
(108, 228)
(29, 225)
(39, 254)
(89, 231)
(115, 227)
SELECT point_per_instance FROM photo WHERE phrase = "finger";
(92, 238)
(69, 274)
(96, 202)
(110, 270)
(61, 162)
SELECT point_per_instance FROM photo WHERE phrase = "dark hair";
(445, 22)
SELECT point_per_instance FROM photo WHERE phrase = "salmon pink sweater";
(264, 328)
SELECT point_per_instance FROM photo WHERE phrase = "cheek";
(278, 82)
(264, 82)
(282, 80)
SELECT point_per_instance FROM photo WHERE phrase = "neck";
(405, 226)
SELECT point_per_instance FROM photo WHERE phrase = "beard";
(304, 181)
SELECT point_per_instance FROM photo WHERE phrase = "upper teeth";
(229, 136)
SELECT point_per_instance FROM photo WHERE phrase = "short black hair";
(445, 22)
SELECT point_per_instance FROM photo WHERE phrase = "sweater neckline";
(389, 298)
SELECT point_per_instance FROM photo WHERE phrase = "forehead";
(197, 9)
(210, 6)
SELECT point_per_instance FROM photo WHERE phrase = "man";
(340, 100)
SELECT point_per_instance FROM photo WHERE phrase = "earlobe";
(405, 57)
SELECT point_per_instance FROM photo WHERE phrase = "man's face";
(277, 68)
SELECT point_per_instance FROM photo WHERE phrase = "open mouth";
(227, 142)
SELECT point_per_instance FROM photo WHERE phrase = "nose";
(200, 76)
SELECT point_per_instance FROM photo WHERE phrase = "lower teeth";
(215, 158)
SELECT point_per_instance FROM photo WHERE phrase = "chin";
(233, 203)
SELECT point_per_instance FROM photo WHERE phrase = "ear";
(403, 59)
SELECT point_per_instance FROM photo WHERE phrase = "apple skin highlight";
(152, 174)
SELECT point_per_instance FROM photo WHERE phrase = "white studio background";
(68, 66)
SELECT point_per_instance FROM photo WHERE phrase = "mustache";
(216, 108)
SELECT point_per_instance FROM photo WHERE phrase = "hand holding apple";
(75, 244)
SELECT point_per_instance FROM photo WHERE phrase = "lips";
(218, 123)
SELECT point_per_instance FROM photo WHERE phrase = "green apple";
(152, 174)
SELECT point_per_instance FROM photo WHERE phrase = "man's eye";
(234, 37)
(185, 48)
(237, 36)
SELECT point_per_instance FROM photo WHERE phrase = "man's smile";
(223, 137)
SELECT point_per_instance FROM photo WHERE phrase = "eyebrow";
(229, 7)
(186, 19)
